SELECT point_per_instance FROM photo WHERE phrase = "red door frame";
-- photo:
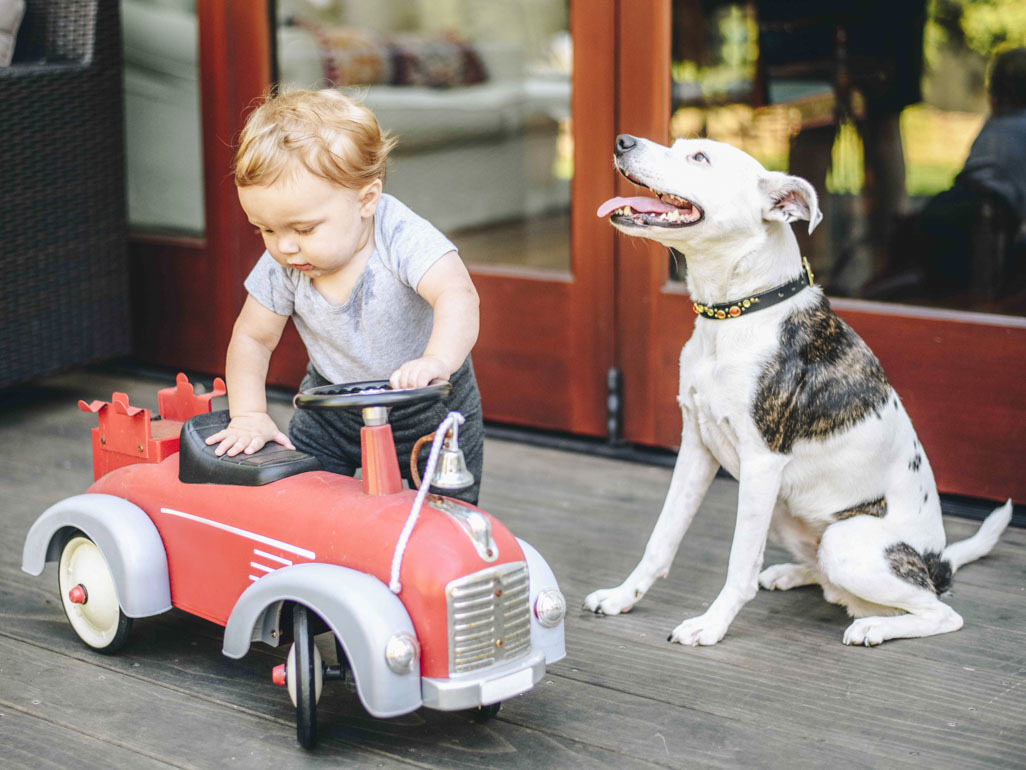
(960, 374)
(546, 342)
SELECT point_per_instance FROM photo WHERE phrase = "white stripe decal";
(244, 533)
(253, 577)
(272, 557)
(264, 567)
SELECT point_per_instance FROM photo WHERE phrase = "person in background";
(878, 66)
(995, 170)
(934, 254)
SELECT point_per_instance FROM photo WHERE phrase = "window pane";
(880, 118)
(162, 116)
(477, 93)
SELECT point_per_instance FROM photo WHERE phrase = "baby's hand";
(419, 372)
(247, 433)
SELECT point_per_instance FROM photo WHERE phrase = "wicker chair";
(64, 293)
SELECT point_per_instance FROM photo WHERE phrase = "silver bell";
(451, 472)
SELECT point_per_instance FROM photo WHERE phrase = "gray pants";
(334, 437)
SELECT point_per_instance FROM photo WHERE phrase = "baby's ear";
(370, 194)
(786, 198)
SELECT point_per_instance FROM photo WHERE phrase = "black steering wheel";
(360, 395)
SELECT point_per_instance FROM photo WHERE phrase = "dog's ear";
(787, 198)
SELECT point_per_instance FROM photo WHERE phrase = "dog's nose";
(625, 143)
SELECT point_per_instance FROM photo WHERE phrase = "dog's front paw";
(867, 631)
(611, 601)
(704, 630)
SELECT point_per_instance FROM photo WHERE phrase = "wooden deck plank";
(183, 653)
(168, 724)
(779, 691)
(30, 741)
(783, 653)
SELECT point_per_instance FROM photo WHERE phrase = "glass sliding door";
(480, 95)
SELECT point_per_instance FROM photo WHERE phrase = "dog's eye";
(700, 157)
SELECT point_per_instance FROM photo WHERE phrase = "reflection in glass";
(162, 116)
(879, 117)
(478, 95)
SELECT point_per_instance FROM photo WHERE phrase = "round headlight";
(550, 607)
(401, 653)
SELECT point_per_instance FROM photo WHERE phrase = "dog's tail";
(980, 544)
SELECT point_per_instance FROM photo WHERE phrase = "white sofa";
(467, 156)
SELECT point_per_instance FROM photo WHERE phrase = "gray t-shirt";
(384, 323)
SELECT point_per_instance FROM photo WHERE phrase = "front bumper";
(482, 688)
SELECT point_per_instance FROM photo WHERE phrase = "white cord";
(453, 419)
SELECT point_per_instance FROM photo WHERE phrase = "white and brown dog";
(783, 394)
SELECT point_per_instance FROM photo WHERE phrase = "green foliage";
(991, 25)
(982, 26)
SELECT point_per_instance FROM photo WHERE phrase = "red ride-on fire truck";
(431, 601)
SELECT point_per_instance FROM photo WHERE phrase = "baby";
(375, 291)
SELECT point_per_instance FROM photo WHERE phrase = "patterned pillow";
(360, 57)
(439, 63)
(11, 13)
(353, 56)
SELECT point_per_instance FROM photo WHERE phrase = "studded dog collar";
(761, 301)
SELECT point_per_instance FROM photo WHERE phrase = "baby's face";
(310, 224)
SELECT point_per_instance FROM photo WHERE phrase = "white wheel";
(292, 674)
(89, 597)
(305, 676)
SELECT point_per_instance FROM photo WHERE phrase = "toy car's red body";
(219, 540)
(277, 548)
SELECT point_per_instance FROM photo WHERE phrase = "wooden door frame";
(546, 340)
(641, 266)
(959, 374)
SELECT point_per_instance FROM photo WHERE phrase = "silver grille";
(489, 617)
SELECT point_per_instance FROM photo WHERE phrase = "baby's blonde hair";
(332, 136)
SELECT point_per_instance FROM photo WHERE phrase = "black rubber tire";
(306, 694)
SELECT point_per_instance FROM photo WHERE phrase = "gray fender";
(126, 537)
(360, 610)
(551, 640)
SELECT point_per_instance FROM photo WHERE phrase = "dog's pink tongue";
(640, 204)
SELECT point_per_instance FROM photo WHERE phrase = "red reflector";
(278, 675)
(77, 595)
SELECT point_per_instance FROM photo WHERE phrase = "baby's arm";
(255, 336)
(448, 289)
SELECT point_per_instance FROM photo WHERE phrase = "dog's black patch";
(823, 379)
(940, 571)
(915, 462)
(876, 508)
(929, 570)
(907, 563)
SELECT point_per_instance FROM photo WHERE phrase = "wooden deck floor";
(779, 691)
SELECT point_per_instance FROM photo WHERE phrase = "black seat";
(197, 463)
